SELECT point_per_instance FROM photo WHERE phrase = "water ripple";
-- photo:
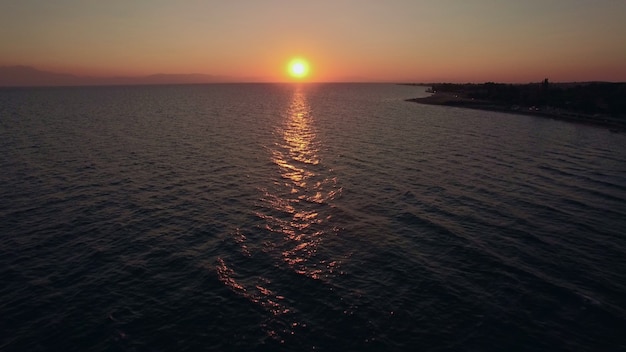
(312, 217)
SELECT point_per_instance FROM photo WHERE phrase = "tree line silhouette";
(601, 98)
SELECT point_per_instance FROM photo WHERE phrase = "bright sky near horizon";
(343, 40)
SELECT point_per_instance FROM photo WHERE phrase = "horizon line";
(47, 79)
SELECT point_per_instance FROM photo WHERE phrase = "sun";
(298, 68)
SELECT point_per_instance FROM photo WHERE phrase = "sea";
(304, 217)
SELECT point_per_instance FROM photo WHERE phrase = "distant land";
(27, 76)
(597, 103)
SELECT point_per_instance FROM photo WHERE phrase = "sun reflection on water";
(295, 216)
(303, 187)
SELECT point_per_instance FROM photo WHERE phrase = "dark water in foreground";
(315, 217)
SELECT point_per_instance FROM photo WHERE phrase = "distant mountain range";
(26, 76)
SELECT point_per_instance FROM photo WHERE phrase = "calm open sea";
(330, 217)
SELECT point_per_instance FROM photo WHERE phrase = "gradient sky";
(354, 40)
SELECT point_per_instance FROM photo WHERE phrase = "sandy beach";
(460, 101)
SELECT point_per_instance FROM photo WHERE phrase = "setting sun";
(298, 68)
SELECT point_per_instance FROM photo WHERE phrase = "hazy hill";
(30, 76)
(26, 76)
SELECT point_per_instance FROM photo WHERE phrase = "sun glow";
(298, 68)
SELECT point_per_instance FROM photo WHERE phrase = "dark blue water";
(313, 217)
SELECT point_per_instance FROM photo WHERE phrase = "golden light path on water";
(297, 158)
(295, 216)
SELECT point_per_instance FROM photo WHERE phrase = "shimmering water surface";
(330, 217)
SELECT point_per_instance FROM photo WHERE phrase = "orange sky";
(343, 40)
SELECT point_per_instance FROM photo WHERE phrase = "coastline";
(460, 101)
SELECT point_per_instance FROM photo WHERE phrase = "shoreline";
(459, 101)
